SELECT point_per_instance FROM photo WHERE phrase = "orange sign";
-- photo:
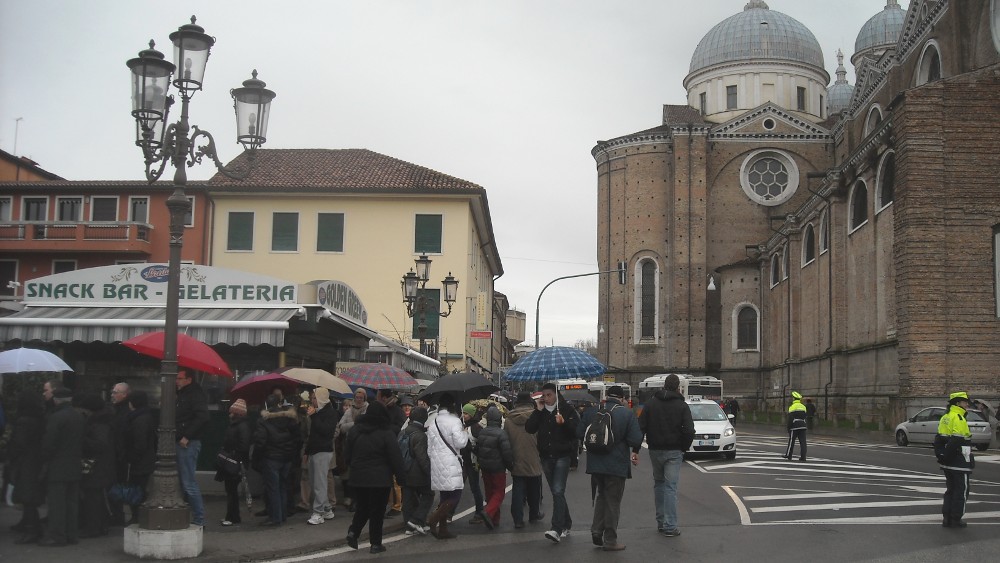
(481, 334)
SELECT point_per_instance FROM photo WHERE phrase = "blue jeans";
(666, 474)
(556, 472)
(187, 462)
(529, 488)
(275, 487)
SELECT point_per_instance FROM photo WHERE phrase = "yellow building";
(362, 218)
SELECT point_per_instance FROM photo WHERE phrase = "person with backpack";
(495, 457)
(277, 441)
(554, 424)
(669, 428)
(613, 431)
(417, 494)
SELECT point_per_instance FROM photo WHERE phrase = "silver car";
(922, 427)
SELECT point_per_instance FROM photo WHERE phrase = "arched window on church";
(824, 232)
(886, 187)
(929, 64)
(647, 288)
(775, 269)
(784, 262)
(746, 329)
(808, 245)
(858, 206)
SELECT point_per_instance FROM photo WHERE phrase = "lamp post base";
(164, 544)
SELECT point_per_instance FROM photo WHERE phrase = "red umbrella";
(378, 376)
(254, 388)
(191, 352)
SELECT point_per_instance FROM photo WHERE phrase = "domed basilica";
(784, 231)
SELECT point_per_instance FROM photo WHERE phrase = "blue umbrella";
(556, 362)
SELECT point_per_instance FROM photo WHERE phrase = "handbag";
(227, 464)
(126, 493)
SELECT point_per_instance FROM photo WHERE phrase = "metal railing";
(95, 230)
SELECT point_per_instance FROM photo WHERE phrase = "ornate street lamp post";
(164, 508)
(414, 295)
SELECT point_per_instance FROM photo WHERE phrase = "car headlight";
(729, 432)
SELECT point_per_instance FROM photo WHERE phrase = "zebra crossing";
(826, 491)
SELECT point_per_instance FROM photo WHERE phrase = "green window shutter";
(285, 232)
(433, 319)
(240, 235)
(427, 235)
(330, 232)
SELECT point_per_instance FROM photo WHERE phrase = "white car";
(922, 427)
(713, 429)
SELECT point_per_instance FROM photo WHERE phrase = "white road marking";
(840, 505)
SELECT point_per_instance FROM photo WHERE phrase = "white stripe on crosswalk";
(840, 505)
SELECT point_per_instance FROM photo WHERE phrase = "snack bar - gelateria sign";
(146, 284)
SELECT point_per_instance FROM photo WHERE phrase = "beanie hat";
(616, 391)
(524, 398)
(322, 397)
(239, 407)
(469, 409)
(418, 415)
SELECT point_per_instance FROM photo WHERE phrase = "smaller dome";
(881, 31)
(838, 95)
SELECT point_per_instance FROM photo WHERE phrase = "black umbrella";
(466, 386)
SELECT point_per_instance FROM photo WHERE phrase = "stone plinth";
(164, 544)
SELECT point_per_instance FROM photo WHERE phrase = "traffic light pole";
(620, 271)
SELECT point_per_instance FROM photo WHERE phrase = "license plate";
(706, 442)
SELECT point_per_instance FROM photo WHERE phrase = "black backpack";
(599, 438)
(404, 448)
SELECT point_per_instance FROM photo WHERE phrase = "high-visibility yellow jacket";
(953, 444)
(796, 415)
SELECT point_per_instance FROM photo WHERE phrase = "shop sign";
(146, 284)
(340, 297)
(481, 334)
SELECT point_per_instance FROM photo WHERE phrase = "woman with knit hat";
(237, 444)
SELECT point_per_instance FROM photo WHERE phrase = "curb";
(305, 549)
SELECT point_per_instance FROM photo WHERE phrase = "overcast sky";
(509, 94)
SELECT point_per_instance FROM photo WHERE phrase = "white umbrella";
(21, 360)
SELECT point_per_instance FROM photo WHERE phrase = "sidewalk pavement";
(244, 542)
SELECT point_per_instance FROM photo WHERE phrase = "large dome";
(757, 33)
(881, 30)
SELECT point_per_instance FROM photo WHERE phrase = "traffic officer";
(953, 449)
(796, 427)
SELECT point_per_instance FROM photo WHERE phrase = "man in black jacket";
(669, 429)
(62, 451)
(119, 404)
(277, 441)
(555, 424)
(396, 418)
(323, 418)
(190, 419)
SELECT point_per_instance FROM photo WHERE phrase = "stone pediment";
(920, 17)
(769, 122)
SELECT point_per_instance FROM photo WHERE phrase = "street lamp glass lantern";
(191, 49)
(410, 281)
(150, 81)
(450, 285)
(423, 267)
(253, 108)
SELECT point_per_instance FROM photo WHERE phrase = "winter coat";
(277, 436)
(372, 451)
(99, 445)
(192, 412)
(419, 474)
(26, 457)
(524, 446)
(953, 442)
(62, 445)
(554, 440)
(493, 446)
(140, 441)
(446, 469)
(628, 436)
(322, 425)
(666, 421)
(396, 415)
(120, 431)
(238, 437)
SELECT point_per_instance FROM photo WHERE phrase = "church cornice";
(741, 67)
(602, 150)
(729, 130)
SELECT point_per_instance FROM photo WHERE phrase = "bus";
(597, 389)
(691, 386)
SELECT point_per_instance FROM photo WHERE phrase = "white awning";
(384, 340)
(230, 325)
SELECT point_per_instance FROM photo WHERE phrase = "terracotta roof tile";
(338, 170)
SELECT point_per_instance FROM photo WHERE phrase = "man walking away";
(554, 423)
(796, 427)
(608, 471)
(953, 449)
(495, 458)
(669, 429)
(527, 471)
(417, 494)
(62, 451)
(190, 419)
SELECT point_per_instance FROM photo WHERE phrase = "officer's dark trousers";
(955, 494)
(64, 505)
(799, 435)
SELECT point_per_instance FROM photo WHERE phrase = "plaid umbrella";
(555, 362)
(378, 376)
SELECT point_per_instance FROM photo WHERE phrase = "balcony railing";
(97, 235)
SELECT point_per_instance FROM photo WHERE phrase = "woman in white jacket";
(446, 436)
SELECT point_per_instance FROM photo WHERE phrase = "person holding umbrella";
(554, 423)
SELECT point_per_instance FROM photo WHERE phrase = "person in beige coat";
(527, 470)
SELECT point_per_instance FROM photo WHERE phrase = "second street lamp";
(418, 304)
(164, 507)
